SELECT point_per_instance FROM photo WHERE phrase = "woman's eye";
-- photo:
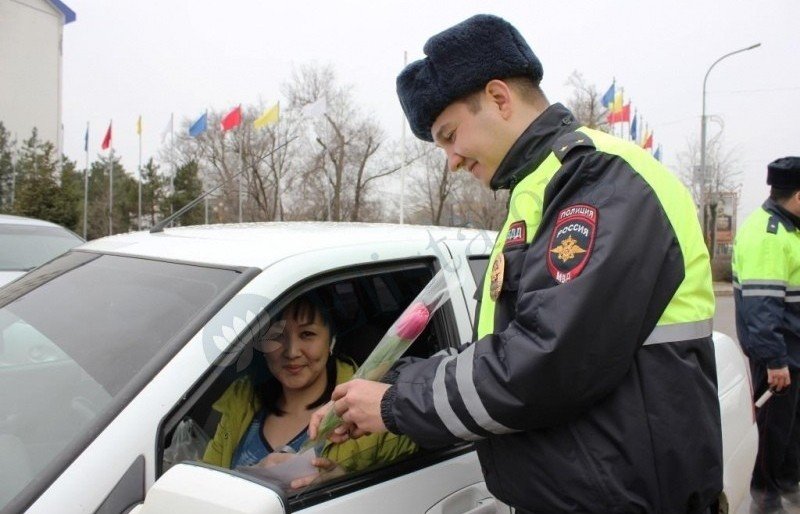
(307, 334)
(450, 136)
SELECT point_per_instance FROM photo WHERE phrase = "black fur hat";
(784, 173)
(460, 61)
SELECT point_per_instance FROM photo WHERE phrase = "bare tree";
(721, 176)
(586, 103)
(480, 207)
(349, 142)
(433, 187)
(257, 153)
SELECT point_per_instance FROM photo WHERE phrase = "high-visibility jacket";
(592, 385)
(766, 269)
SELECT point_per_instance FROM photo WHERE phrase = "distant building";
(726, 204)
(30, 67)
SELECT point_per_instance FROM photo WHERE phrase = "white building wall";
(30, 69)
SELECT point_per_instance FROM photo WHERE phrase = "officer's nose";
(454, 160)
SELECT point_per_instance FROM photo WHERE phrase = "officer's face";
(472, 139)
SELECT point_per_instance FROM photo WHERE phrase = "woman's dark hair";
(304, 309)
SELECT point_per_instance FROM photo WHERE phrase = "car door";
(447, 481)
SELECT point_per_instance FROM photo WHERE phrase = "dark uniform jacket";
(570, 413)
(767, 287)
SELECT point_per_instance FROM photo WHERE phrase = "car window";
(363, 305)
(76, 335)
(23, 247)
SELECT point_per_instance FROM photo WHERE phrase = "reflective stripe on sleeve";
(442, 405)
(679, 332)
(775, 293)
(469, 394)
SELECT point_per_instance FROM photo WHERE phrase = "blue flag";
(657, 155)
(199, 126)
(634, 131)
(86, 139)
(608, 98)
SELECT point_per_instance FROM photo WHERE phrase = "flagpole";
(139, 127)
(404, 156)
(172, 158)
(279, 207)
(241, 161)
(86, 182)
(111, 182)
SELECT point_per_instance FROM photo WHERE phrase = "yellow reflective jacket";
(239, 404)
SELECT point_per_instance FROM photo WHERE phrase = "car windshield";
(23, 247)
(79, 337)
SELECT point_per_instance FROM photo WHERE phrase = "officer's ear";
(499, 94)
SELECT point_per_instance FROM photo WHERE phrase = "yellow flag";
(269, 117)
(139, 125)
(617, 105)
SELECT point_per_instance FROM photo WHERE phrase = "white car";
(104, 350)
(27, 242)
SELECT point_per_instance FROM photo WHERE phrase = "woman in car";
(265, 415)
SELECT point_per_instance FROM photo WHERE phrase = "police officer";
(766, 267)
(591, 386)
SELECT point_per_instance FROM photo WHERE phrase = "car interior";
(363, 305)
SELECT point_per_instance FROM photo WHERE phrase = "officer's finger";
(316, 419)
(340, 391)
(340, 407)
(357, 432)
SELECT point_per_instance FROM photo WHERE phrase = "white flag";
(168, 129)
(315, 109)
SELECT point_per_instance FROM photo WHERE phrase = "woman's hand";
(275, 458)
(327, 469)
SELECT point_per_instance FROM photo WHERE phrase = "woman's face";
(298, 362)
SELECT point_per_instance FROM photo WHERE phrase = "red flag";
(620, 116)
(107, 139)
(232, 119)
(648, 143)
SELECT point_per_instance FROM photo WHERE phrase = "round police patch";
(571, 242)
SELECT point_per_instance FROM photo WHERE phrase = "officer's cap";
(784, 173)
(460, 61)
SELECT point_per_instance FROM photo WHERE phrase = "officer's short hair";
(779, 194)
(527, 88)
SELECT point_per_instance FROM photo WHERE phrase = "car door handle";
(486, 506)
(472, 499)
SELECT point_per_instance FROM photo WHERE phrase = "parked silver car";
(27, 242)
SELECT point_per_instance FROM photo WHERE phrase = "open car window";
(363, 304)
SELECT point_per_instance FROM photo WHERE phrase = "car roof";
(8, 219)
(262, 244)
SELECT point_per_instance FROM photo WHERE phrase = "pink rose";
(411, 325)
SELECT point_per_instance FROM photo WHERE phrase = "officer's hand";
(778, 378)
(358, 403)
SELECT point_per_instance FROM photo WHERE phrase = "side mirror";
(190, 488)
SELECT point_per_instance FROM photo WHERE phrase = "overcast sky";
(125, 58)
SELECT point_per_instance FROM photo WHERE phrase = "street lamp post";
(703, 175)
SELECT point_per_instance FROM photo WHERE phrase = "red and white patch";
(571, 242)
(517, 234)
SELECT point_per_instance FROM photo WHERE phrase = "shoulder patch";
(517, 234)
(570, 141)
(772, 225)
(572, 241)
